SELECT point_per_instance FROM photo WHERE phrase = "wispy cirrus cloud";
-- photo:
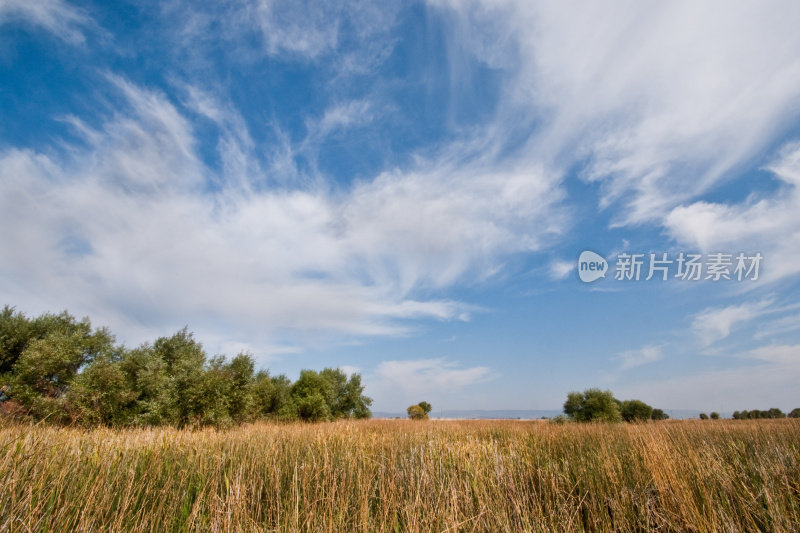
(63, 20)
(132, 213)
(661, 101)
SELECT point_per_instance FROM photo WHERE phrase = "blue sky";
(403, 189)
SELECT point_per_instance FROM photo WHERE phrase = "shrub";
(658, 414)
(416, 412)
(635, 411)
(592, 405)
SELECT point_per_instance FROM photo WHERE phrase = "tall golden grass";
(397, 475)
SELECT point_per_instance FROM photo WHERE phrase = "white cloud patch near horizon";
(768, 379)
(426, 375)
(716, 323)
(642, 356)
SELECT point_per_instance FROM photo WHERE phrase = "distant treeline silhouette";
(770, 413)
(56, 368)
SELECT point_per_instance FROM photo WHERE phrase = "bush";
(635, 411)
(416, 412)
(703, 416)
(756, 414)
(592, 405)
(313, 408)
(658, 414)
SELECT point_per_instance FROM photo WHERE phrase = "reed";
(398, 475)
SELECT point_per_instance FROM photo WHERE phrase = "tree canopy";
(592, 405)
(596, 405)
(60, 369)
(419, 411)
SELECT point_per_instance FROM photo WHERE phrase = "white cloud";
(782, 354)
(778, 326)
(714, 324)
(428, 375)
(561, 269)
(127, 232)
(664, 100)
(308, 29)
(768, 379)
(758, 386)
(768, 225)
(642, 356)
(59, 18)
(349, 369)
(342, 116)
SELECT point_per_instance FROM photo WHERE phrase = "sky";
(403, 189)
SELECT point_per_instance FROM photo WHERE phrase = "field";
(398, 475)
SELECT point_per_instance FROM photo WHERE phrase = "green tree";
(337, 398)
(426, 407)
(16, 332)
(416, 412)
(592, 405)
(146, 373)
(271, 393)
(313, 408)
(635, 411)
(48, 365)
(212, 404)
(354, 403)
(242, 373)
(343, 397)
(57, 368)
(774, 412)
(714, 415)
(185, 366)
(310, 393)
(659, 414)
(101, 394)
(703, 416)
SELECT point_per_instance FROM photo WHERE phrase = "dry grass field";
(397, 475)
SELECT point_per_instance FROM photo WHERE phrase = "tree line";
(56, 368)
(596, 405)
(773, 412)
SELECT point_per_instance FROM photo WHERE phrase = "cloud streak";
(55, 16)
(657, 102)
(131, 233)
(427, 375)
